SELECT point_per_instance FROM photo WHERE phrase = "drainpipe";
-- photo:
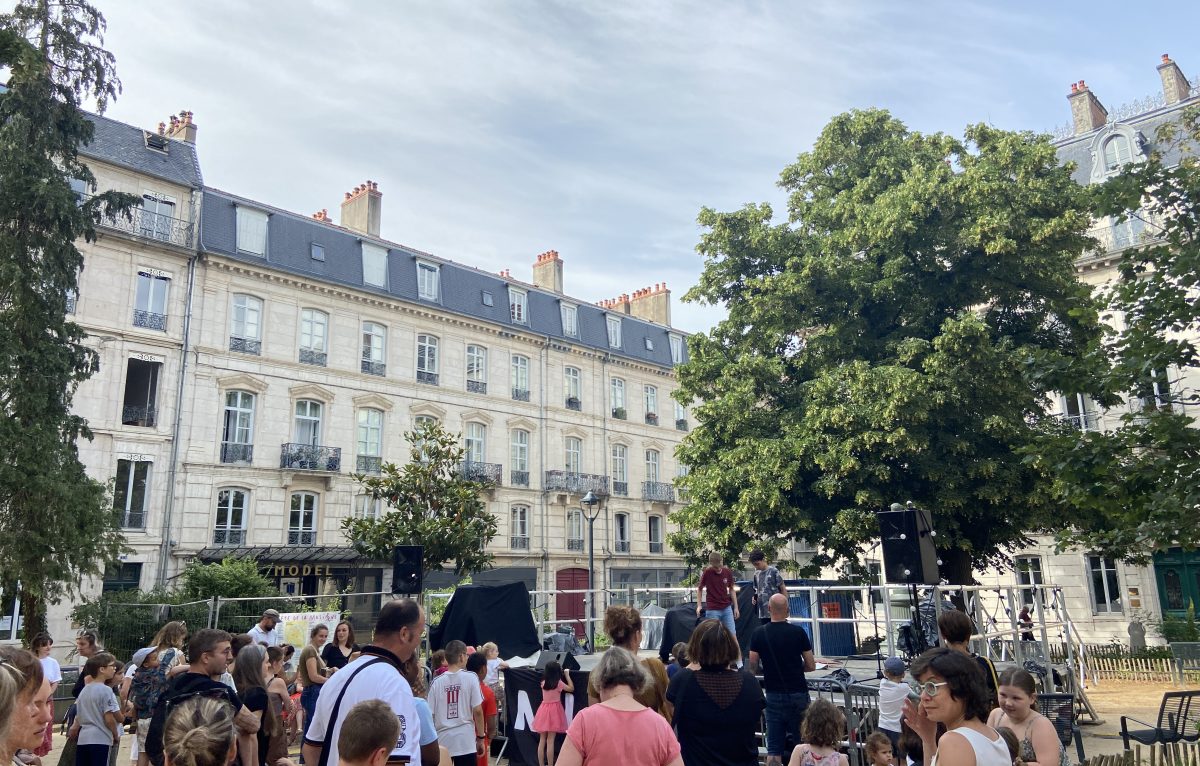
(547, 582)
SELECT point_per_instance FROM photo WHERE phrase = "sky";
(499, 129)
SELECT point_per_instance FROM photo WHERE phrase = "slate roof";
(125, 145)
(290, 235)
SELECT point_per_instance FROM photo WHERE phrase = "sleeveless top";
(987, 751)
(1028, 754)
(809, 758)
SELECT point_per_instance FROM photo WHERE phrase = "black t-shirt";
(183, 686)
(711, 734)
(256, 700)
(333, 657)
(781, 647)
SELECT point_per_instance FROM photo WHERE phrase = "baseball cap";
(894, 666)
(141, 654)
(271, 613)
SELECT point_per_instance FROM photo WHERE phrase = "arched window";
(620, 470)
(574, 454)
(520, 378)
(374, 349)
(245, 330)
(652, 460)
(476, 443)
(302, 520)
(308, 422)
(621, 532)
(477, 369)
(230, 528)
(237, 437)
(520, 527)
(1116, 153)
(427, 359)
(519, 458)
(314, 337)
(655, 532)
(370, 441)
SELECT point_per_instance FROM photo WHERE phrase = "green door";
(1178, 575)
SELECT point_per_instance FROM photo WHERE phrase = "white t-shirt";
(453, 696)
(51, 669)
(493, 672)
(381, 681)
(260, 636)
(891, 704)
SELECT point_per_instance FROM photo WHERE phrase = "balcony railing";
(621, 488)
(519, 543)
(656, 547)
(229, 537)
(149, 320)
(622, 546)
(374, 368)
(302, 537)
(237, 453)
(658, 491)
(430, 378)
(574, 543)
(245, 345)
(573, 403)
(681, 424)
(131, 519)
(370, 464)
(310, 457)
(485, 473)
(142, 415)
(145, 223)
(576, 483)
(651, 418)
(518, 478)
(1087, 421)
(477, 386)
(520, 394)
(313, 357)
(619, 413)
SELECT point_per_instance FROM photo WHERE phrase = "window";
(518, 305)
(574, 454)
(487, 298)
(374, 265)
(1029, 572)
(1154, 392)
(572, 383)
(1116, 153)
(651, 398)
(230, 528)
(367, 507)
(121, 577)
(574, 529)
(251, 231)
(302, 521)
(141, 393)
(427, 359)
(652, 461)
(370, 441)
(519, 457)
(570, 320)
(245, 331)
(620, 470)
(129, 492)
(237, 438)
(374, 349)
(314, 328)
(614, 332)
(477, 369)
(676, 349)
(150, 307)
(681, 417)
(308, 423)
(1080, 412)
(476, 443)
(520, 378)
(156, 217)
(1129, 233)
(654, 532)
(419, 423)
(427, 281)
(317, 252)
(649, 343)
(621, 532)
(1106, 588)
(520, 527)
(616, 388)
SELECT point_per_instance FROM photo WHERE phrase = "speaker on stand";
(407, 570)
(909, 556)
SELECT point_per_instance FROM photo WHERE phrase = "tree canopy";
(895, 339)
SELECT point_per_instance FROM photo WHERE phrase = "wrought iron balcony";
(520, 394)
(313, 357)
(518, 478)
(477, 386)
(573, 403)
(310, 457)
(374, 368)
(229, 537)
(574, 543)
(302, 537)
(621, 488)
(621, 546)
(430, 378)
(656, 547)
(1086, 421)
(142, 415)
(681, 424)
(145, 223)
(245, 345)
(619, 413)
(237, 453)
(519, 543)
(149, 320)
(371, 464)
(658, 491)
(575, 483)
(651, 418)
(484, 473)
(133, 519)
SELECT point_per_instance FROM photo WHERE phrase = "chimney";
(361, 209)
(1175, 86)
(618, 305)
(182, 128)
(322, 215)
(652, 304)
(1087, 113)
(548, 271)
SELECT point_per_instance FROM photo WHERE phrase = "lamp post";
(590, 505)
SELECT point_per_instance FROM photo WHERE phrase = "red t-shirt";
(489, 708)
(719, 585)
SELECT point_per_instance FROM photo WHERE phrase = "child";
(821, 732)
(115, 683)
(491, 653)
(1014, 744)
(892, 691)
(437, 663)
(911, 747)
(679, 654)
(147, 688)
(551, 719)
(879, 749)
(368, 734)
(96, 713)
(457, 706)
(477, 664)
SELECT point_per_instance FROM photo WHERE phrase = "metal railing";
(245, 345)
(484, 473)
(519, 542)
(658, 491)
(310, 457)
(374, 368)
(146, 223)
(301, 537)
(573, 403)
(620, 488)
(681, 424)
(237, 453)
(231, 537)
(1086, 421)
(575, 483)
(656, 547)
(651, 418)
(518, 478)
(131, 519)
(149, 320)
(142, 415)
(477, 386)
(574, 543)
(520, 394)
(429, 378)
(370, 464)
(621, 546)
(313, 357)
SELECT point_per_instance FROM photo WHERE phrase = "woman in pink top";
(620, 729)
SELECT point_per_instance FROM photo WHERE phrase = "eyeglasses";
(929, 688)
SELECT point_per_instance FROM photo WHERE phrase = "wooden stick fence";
(1179, 754)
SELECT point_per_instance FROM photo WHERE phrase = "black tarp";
(681, 620)
(480, 613)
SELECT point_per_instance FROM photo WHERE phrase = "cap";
(894, 666)
(141, 654)
(271, 613)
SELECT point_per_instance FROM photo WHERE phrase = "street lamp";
(591, 506)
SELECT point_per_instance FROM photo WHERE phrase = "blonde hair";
(173, 635)
(11, 683)
(489, 646)
(199, 732)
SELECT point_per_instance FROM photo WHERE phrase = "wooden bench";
(1186, 656)
(1178, 721)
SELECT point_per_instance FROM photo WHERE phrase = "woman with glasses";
(31, 710)
(952, 691)
(199, 732)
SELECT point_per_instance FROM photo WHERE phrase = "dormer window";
(427, 281)
(518, 305)
(251, 231)
(614, 331)
(570, 320)
(1117, 152)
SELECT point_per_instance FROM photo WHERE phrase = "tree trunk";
(33, 616)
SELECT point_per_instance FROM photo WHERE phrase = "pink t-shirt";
(555, 694)
(632, 738)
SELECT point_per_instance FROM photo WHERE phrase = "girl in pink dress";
(551, 719)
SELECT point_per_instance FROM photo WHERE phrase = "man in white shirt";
(457, 706)
(264, 631)
(376, 674)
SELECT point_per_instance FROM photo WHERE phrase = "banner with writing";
(297, 625)
(522, 695)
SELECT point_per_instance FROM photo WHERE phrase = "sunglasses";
(928, 688)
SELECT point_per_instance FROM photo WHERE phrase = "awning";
(287, 554)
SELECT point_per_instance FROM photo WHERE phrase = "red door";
(568, 607)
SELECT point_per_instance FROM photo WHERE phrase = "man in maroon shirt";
(715, 595)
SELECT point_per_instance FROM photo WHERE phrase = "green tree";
(230, 578)
(1135, 488)
(429, 503)
(60, 522)
(892, 341)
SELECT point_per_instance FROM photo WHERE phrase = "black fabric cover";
(681, 620)
(480, 613)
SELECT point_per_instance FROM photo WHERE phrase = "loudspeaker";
(908, 552)
(406, 569)
(565, 659)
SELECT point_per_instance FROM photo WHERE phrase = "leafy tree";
(430, 503)
(61, 523)
(893, 340)
(1136, 488)
(230, 578)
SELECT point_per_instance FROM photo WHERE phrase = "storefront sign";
(299, 570)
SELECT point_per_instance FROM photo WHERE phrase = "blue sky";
(497, 130)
